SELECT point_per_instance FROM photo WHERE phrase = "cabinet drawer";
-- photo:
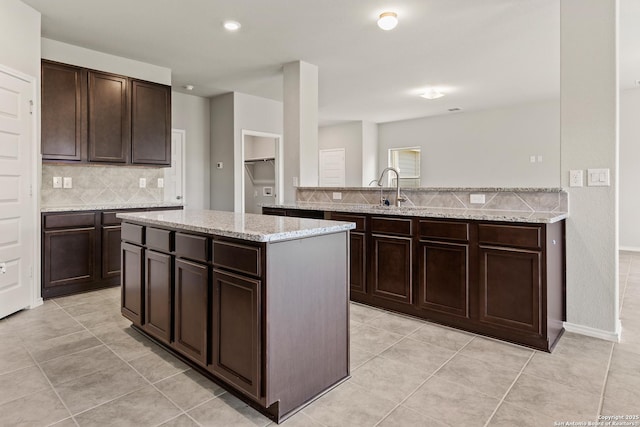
(159, 239)
(132, 233)
(274, 211)
(360, 220)
(192, 247)
(510, 235)
(444, 230)
(241, 258)
(399, 226)
(69, 220)
(109, 218)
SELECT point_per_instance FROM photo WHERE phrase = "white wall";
(222, 150)
(20, 37)
(630, 169)
(369, 152)
(489, 148)
(349, 137)
(589, 100)
(193, 114)
(82, 57)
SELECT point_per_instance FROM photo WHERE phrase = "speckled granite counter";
(471, 214)
(106, 206)
(257, 228)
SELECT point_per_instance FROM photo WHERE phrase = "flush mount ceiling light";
(231, 25)
(432, 93)
(188, 87)
(388, 21)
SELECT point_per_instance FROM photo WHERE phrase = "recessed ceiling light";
(188, 87)
(231, 25)
(388, 20)
(432, 93)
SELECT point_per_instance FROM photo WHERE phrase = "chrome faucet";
(399, 198)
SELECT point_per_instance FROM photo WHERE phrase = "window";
(407, 162)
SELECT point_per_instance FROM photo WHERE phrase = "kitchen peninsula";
(257, 303)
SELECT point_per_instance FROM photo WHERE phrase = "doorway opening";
(261, 175)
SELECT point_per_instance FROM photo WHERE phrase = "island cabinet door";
(190, 303)
(236, 326)
(132, 282)
(443, 285)
(158, 295)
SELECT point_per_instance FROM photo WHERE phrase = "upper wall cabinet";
(63, 110)
(92, 116)
(150, 123)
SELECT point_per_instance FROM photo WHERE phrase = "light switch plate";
(143, 182)
(160, 182)
(576, 178)
(57, 182)
(477, 198)
(67, 182)
(598, 177)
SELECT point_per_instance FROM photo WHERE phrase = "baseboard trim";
(629, 248)
(593, 332)
(36, 303)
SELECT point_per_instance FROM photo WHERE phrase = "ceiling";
(482, 54)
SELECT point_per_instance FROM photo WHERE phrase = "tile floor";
(75, 361)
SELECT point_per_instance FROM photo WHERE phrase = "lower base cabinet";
(132, 283)
(158, 295)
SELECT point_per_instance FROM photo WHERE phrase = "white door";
(173, 176)
(332, 170)
(17, 208)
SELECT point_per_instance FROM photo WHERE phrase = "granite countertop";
(257, 228)
(105, 206)
(455, 213)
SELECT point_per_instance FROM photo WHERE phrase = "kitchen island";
(257, 303)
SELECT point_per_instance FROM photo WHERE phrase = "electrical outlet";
(160, 182)
(143, 182)
(477, 198)
(532, 159)
(67, 182)
(337, 196)
(57, 182)
(575, 178)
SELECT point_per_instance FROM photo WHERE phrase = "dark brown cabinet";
(191, 309)
(110, 251)
(94, 116)
(358, 245)
(158, 295)
(150, 123)
(69, 256)
(109, 136)
(63, 111)
(132, 283)
(236, 330)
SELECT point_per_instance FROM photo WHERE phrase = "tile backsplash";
(100, 184)
(502, 199)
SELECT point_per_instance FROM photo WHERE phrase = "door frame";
(278, 166)
(35, 161)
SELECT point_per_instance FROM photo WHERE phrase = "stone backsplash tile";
(495, 200)
(100, 184)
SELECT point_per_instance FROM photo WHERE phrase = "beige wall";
(630, 169)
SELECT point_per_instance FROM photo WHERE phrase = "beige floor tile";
(374, 340)
(442, 336)
(79, 364)
(349, 405)
(509, 415)
(426, 357)
(124, 341)
(358, 356)
(67, 422)
(498, 353)
(38, 409)
(61, 346)
(389, 379)
(79, 299)
(58, 323)
(300, 420)
(22, 382)
(13, 355)
(92, 307)
(91, 390)
(586, 374)
(624, 361)
(144, 407)
(362, 313)
(91, 320)
(405, 417)
(622, 393)
(31, 317)
(453, 403)
(157, 365)
(556, 400)
(227, 410)
(396, 324)
(181, 421)
(189, 389)
(485, 377)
